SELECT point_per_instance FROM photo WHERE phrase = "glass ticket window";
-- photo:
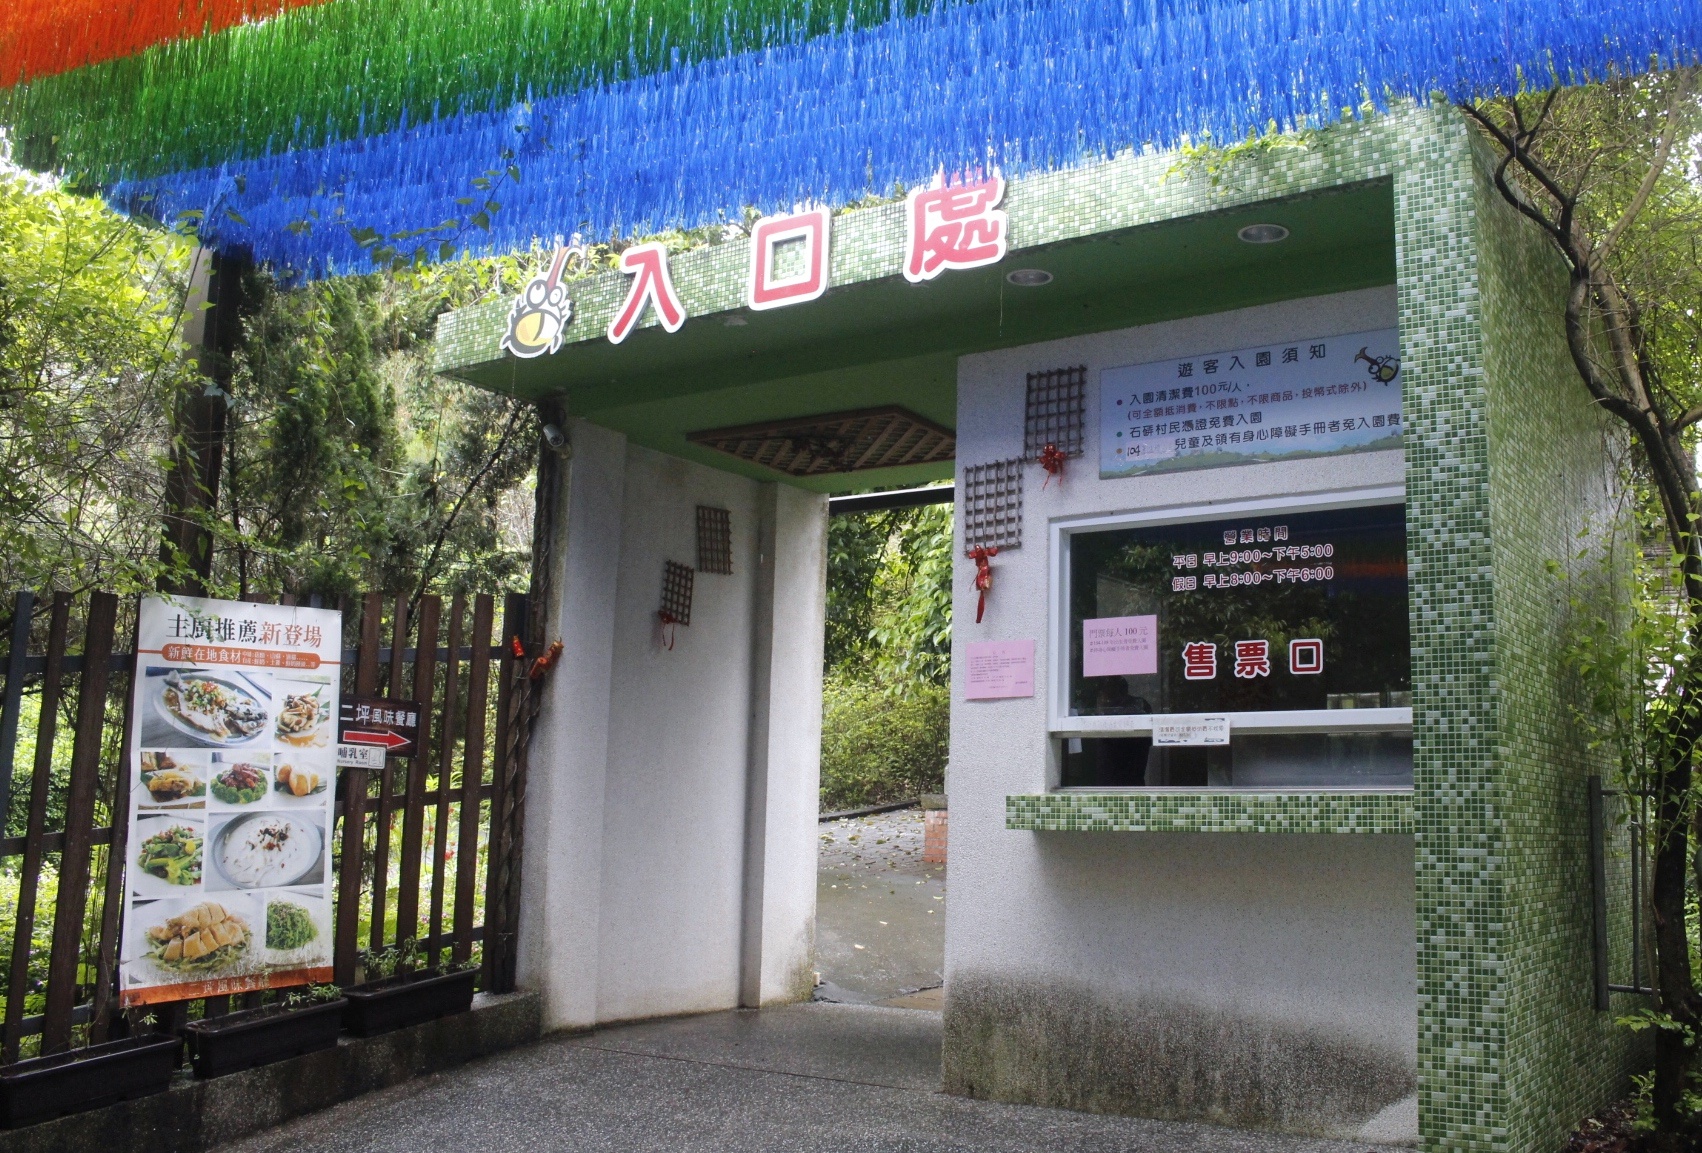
(1275, 613)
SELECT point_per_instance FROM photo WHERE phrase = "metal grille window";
(714, 540)
(676, 593)
(1056, 403)
(992, 505)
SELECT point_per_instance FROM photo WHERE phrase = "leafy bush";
(882, 741)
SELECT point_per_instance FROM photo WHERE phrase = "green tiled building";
(1360, 910)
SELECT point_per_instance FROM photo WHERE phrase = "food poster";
(232, 796)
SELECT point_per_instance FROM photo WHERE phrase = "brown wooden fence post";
(445, 766)
(413, 816)
(472, 780)
(79, 829)
(354, 806)
(41, 779)
(381, 822)
(112, 901)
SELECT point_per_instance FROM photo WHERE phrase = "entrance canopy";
(874, 339)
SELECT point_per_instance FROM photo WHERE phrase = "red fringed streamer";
(43, 37)
(1052, 460)
(669, 620)
(982, 556)
(544, 663)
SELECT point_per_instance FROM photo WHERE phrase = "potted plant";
(399, 995)
(43, 1088)
(304, 1022)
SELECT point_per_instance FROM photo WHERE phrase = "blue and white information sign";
(1317, 397)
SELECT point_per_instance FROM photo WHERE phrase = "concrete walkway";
(880, 912)
(815, 1078)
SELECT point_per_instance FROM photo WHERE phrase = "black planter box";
(43, 1088)
(238, 1041)
(407, 999)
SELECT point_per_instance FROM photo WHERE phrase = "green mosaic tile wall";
(1550, 483)
(1210, 812)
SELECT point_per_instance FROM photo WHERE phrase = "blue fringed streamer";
(1020, 84)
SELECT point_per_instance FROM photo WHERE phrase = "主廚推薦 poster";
(232, 785)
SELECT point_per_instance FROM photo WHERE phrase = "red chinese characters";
(774, 287)
(650, 285)
(1252, 659)
(1305, 656)
(955, 226)
(1199, 661)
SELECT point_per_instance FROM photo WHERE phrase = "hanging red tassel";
(982, 556)
(668, 620)
(1052, 460)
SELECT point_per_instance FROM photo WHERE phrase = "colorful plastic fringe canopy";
(484, 125)
(43, 37)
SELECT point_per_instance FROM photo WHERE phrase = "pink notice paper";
(998, 669)
(1119, 646)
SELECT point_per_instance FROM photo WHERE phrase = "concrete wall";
(670, 805)
(1261, 980)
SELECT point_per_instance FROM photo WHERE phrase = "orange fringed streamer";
(43, 37)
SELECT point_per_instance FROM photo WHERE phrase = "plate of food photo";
(221, 710)
(267, 850)
(172, 780)
(296, 784)
(304, 715)
(297, 929)
(240, 783)
(190, 940)
(168, 855)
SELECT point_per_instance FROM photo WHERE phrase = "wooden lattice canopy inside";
(835, 441)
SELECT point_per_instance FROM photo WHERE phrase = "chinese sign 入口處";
(232, 787)
(1298, 398)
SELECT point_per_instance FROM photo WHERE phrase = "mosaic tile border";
(1295, 812)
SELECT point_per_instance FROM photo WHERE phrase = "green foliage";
(886, 712)
(90, 358)
(882, 741)
(889, 594)
(349, 465)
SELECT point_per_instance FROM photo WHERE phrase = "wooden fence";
(421, 849)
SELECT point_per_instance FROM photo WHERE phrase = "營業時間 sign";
(1299, 398)
(231, 787)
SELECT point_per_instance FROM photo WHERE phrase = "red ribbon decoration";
(982, 556)
(1052, 460)
(543, 663)
(668, 620)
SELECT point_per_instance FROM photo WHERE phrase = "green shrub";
(882, 741)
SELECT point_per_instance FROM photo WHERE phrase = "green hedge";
(882, 742)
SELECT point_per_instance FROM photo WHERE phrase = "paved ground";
(880, 912)
(815, 1078)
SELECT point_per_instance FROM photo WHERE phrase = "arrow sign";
(390, 740)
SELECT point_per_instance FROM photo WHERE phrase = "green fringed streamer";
(355, 67)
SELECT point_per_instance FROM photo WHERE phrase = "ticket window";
(1291, 622)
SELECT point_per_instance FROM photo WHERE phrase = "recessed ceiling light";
(1028, 277)
(1263, 233)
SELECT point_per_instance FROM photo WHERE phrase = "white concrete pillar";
(561, 886)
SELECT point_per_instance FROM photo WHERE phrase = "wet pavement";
(811, 1078)
(880, 913)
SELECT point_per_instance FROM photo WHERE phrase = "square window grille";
(714, 540)
(676, 592)
(1056, 403)
(992, 505)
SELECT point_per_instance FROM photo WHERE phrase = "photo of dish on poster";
(232, 797)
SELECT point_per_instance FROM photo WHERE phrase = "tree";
(90, 362)
(1605, 174)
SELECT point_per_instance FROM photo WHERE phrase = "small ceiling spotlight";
(1263, 234)
(1028, 277)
